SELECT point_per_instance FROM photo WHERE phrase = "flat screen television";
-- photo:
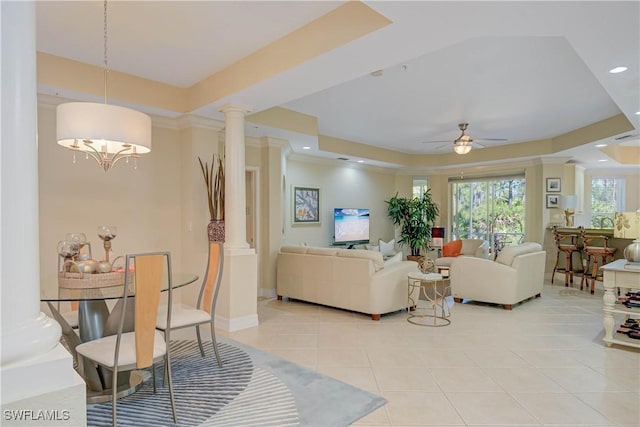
(350, 226)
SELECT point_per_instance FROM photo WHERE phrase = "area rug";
(253, 388)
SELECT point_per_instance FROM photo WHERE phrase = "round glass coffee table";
(432, 288)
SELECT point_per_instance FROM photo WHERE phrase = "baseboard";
(236, 323)
(267, 293)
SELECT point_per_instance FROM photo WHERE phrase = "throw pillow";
(393, 260)
(387, 248)
(452, 248)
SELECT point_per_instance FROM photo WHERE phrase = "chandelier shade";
(106, 132)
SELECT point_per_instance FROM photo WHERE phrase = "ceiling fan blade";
(491, 139)
(477, 145)
(436, 142)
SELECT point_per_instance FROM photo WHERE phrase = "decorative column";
(33, 364)
(237, 306)
(235, 185)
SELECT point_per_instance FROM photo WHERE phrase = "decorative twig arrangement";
(215, 186)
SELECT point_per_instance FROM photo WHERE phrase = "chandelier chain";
(106, 64)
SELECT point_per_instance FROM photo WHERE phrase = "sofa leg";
(507, 306)
(538, 295)
(375, 317)
(458, 300)
(279, 297)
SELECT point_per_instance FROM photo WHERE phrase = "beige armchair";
(516, 275)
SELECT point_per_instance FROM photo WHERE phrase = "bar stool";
(597, 256)
(567, 244)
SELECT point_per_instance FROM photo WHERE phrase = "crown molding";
(192, 120)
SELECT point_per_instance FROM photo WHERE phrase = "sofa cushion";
(375, 257)
(452, 249)
(387, 248)
(294, 249)
(374, 248)
(322, 251)
(508, 254)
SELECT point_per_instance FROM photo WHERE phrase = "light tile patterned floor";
(543, 363)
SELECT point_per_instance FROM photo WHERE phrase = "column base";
(58, 401)
(237, 306)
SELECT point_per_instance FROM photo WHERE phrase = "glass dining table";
(95, 320)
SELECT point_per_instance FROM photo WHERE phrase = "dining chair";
(204, 311)
(144, 346)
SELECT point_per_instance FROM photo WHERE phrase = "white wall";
(341, 186)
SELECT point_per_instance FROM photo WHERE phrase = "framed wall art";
(553, 201)
(306, 205)
(553, 185)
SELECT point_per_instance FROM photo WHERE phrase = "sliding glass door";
(488, 208)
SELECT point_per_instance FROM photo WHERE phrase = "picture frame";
(553, 185)
(306, 204)
(553, 201)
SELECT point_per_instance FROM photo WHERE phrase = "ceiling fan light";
(461, 148)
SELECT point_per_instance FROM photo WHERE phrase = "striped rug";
(253, 388)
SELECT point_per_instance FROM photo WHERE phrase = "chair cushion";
(508, 254)
(387, 248)
(181, 315)
(452, 249)
(469, 246)
(103, 350)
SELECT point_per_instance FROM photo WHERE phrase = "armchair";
(516, 275)
(470, 247)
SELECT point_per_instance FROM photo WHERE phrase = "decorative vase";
(215, 230)
(632, 252)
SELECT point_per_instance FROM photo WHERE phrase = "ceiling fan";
(463, 143)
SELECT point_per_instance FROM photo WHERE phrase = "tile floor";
(544, 363)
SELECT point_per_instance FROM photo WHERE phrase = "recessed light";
(601, 145)
(603, 160)
(617, 70)
(637, 113)
(360, 161)
(306, 148)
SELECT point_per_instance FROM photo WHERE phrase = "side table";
(433, 288)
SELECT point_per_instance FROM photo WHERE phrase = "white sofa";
(516, 275)
(352, 279)
(478, 248)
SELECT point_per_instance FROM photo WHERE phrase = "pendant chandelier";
(106, 133)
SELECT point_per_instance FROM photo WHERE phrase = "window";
(419, 186)
(607, 198)
(488, 208)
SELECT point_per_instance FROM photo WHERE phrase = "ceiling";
(518, 71)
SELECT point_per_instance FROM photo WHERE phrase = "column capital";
(234, 108)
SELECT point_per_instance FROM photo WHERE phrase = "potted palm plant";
(214, 180)
(415, 216)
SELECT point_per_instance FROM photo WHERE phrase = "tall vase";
(215, 230)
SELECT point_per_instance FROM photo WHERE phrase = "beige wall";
(340, 186)
(145, 204)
